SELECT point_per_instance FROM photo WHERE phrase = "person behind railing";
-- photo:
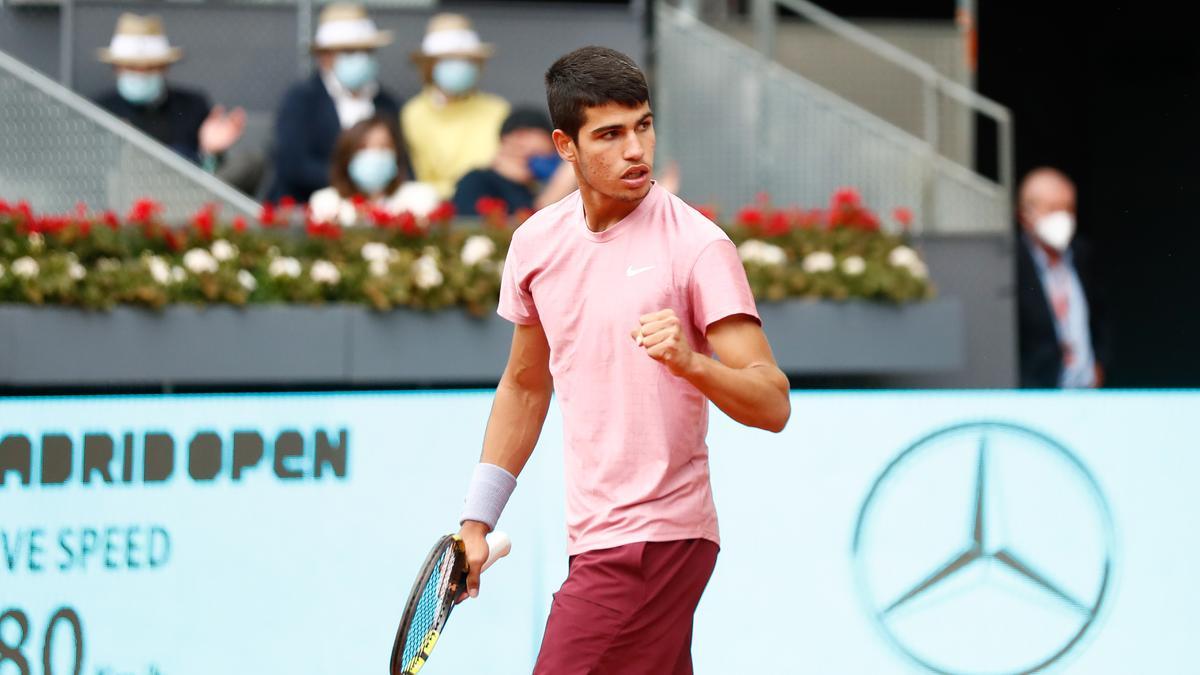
(343, 91)
(451, 127)
(1062, 328)
(179, 118)
(526, 173)
(367, 172)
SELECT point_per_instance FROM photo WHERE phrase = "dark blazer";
(1037, 340)
(174, 121)
(305, 130)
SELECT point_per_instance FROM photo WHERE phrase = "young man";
(620, 292)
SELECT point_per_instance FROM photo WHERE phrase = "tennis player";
(620, 294)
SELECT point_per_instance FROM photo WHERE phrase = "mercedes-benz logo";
(985, 548)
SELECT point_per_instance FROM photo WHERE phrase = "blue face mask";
(455, 76)
(355, 69)
(372, 169)
(543, 166)
(140, 88)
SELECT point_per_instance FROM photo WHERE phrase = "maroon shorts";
(627, 610)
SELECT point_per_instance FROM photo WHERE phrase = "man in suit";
(1062, 334)
(179, 118)
(343, 91)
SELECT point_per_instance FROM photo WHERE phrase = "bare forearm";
(514, 426)
(755, 395)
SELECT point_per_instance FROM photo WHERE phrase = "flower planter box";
(351, 345)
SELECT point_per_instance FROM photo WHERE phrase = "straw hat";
(345, 25)
(451, 35)
(139, 41)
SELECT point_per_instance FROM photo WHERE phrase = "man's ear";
(565, 146)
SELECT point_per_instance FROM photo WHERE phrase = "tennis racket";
(442, 580)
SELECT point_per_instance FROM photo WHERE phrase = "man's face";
(525, 143)
(615, 151)
(144, 70)
(1044, 194)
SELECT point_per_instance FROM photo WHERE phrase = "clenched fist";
(661, 335)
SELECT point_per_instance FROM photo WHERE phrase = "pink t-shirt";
(635, 456)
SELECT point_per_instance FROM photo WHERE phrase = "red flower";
(81, 210)
(109, 218)
(442, 214)
(778, 224)
(750, 217)
(324, 230)
(203, 219)
(903, 215)
(4, 207)
(24, 210)
(493, 211)
(239, 224)
(144, 210)
(174, 239)
(846, 197)
(268, 216)
(287, 202)
(83, 227)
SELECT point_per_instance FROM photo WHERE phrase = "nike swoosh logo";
(632, 271)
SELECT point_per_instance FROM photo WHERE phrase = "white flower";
(273, 252)
(854, 265)
(1, 271)
(223, 250)
(903, 256)
(284, 267)
(325, 272)
(178, 274)
(419, 199)
(375, 251)
(426, 273)
(76, 271)
(36, 240)
(25, 267)
(819, 261)
(159, 269)
(108, 264)
(755, 251)
(246, 279)
(476, 249)
(200, 261)
(378, 268)
(327, 206)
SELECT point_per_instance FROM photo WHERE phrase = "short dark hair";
(525, 117)
(351, 141)
(589, 77)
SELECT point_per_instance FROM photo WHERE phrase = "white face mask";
(1055, 230)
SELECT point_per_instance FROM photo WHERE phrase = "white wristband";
(490, 488)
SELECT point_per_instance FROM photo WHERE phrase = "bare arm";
(522, 399)
(745, 384)
(518, 412)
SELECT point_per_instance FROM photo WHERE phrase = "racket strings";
(431, 607)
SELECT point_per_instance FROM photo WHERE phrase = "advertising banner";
(897, 532)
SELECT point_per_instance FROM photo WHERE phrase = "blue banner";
(990, 532)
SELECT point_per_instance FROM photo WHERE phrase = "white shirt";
(351, 108)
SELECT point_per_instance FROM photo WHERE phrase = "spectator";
(176, 117)
(342, 92)
(1062, 334)
(368, 168)
(451, 127)
(526, 173)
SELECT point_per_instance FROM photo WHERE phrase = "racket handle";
(499, 545)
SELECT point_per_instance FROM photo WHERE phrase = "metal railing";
(798, 141)
(58, 149)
